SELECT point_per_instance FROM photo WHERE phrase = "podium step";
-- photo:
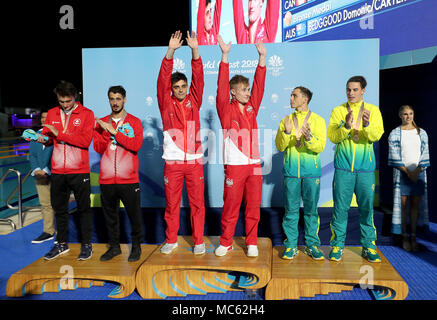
(305, 277)
(181, 272)
(67, 273)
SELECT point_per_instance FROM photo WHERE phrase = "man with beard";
(118, 138)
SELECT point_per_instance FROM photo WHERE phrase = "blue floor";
(417, 269)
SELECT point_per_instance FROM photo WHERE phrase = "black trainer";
(43, 237)
(57, 250)
(111, 253)
(135, 253)
(86, 251)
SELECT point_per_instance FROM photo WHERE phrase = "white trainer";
(222, 251)
(168, 247)
(199, 249)
(252, 251)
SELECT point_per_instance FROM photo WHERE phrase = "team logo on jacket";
(249, 109)
(76, 122)
(165, 180)
(229, 182)
(188, 105)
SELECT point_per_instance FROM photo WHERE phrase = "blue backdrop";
(323, 67)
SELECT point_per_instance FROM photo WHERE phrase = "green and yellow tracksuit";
(302, 170)
(354, 164)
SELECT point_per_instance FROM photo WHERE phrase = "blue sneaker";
(370, 254)
(86, 251)
(290, 253)
(336, 253)
(314, 252)
(57, 250)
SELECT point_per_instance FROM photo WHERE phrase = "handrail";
(20, 208)
(15, 190)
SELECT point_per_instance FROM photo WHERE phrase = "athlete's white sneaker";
(222, 251)
(199, 249)
(252, 251)
(168, 247)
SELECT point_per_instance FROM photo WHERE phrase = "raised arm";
(240, 26)
(257, 91)
(271, 20)
(197, 79)
(223, 77)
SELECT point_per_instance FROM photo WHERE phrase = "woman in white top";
(409, 155)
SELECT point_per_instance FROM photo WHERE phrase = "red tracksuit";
(119, 177)
(119, 166)
(182, 150)
(266, 30)
(241, 156)
(202, 36)
(70, 151)
(71, 168)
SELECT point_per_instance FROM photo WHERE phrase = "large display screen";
(401, 25)
(288, 65)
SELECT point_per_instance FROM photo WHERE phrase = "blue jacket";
(40, 156)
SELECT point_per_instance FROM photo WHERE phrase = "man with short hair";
(241, 155)
(40, 156)
(118, 138)
(69, 127)
(302, 135)
(182, 144)
(354, 126)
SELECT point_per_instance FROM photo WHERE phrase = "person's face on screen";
(354, 92)
(208, 23)
(254, 8)
(117, 102)
(241, 92)
(67, 102)
(297, 99)
(179, 89)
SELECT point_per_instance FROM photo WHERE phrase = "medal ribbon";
(118, 124)
(66, 122)
(298, 130)
(356, 126)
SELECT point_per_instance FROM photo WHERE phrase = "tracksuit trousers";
(241, 180)
(345, 184)
(60, 190)
(130, 195)
(309, 190)
(174, 174)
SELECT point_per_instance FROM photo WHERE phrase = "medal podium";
(181, 273)
(305, 277)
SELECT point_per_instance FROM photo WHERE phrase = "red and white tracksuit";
(70, 150)
(119, 176)
(119, 166)
(182, 150)
(241, 156)
(266, 30)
